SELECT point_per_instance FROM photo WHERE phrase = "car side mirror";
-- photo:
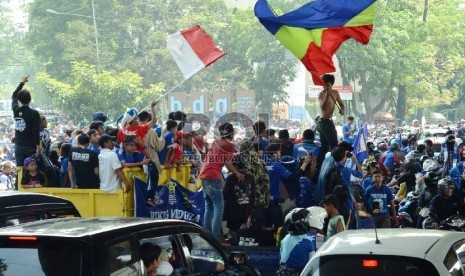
(238, 258)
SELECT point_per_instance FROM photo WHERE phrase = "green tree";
(90, 91)
(413, 62)
(132, 36)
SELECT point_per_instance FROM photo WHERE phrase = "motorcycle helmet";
(382, 146)
(411, 165)
(316, 217)
(431, 165)
(394, 147)
(394, 142)
(370, 146)
(444, 184)
(431, 179)
(297, 221)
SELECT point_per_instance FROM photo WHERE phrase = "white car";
(398, 252)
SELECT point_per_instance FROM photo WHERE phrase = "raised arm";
(14, 97)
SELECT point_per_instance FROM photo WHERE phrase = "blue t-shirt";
(366, 183)
(157, 129)
(320, 187)
(169, 142)
(305, 147)
(381, 197)
(64, 164)
(262, 143)
(349, 138)
(276, 172)
(347, 172)
(94, 148)
(295, 250)
(64, 170)
(130, 158)
(389, 160)
(304, 197)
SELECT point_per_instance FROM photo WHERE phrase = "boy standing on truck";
(83, 165)
(110, 171)
(27, 124)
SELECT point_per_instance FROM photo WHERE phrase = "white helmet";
(316, 217)
(431, 165)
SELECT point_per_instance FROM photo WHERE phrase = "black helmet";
(445, 183)
(297, 221)
(411, 164)
(431, 179)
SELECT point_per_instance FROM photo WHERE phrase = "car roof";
(10, 199)
(397, 242)
(81, 227)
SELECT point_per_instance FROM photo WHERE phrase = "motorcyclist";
(445, 204)
(430, 181)
(457, 175)
(299, 245)
(408, 176)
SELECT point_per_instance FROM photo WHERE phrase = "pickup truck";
(96, 203)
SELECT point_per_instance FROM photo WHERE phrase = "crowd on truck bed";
(262, 189)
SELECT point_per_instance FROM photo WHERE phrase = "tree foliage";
(414, 50)
(91, 91)
(132, 36)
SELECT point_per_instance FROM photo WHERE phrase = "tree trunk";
(401, 103)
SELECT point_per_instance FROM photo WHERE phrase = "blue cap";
(99, 116)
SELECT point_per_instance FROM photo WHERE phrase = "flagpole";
(166, 93)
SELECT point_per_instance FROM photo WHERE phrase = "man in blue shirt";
(327, 163)
(166, 154)
(260, 136)
(348, 130)
(379, 197)
(307, 146)
(277, 173)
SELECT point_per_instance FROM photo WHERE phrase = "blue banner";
(172, 201)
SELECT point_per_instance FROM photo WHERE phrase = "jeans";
(328, 137)
(22, 153)
(153, 177)
(214, 206)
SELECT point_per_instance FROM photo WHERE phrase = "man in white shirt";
(110, 169)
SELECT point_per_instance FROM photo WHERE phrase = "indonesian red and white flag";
(193, 49)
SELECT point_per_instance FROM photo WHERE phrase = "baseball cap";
(99, 116)
(104, 138)
(29, 160)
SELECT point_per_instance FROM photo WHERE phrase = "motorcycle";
(407, 212)
(452, 223)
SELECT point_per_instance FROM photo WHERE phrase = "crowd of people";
(275, 191)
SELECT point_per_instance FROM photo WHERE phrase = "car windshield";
(39, 257)
(366, 265)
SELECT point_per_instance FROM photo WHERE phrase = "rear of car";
(399, 252)
(369, 265)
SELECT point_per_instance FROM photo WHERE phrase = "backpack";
(332, 179)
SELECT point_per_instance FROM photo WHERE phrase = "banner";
(172, 201)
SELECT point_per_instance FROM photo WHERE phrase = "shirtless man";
(328, 134)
